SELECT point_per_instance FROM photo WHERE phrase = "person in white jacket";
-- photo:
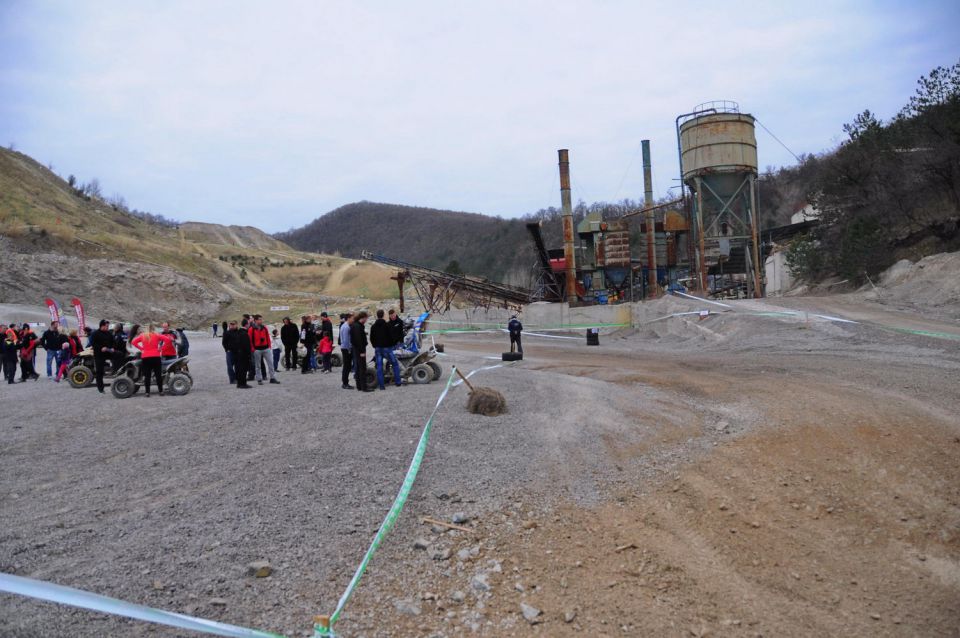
(276, 345)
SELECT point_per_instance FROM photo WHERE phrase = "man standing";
(346, 352)
(358, 344)
(102, 343)
(52, 340)
(326, 326)
(308, 335)
(290, 337)
(396, 328)
(214, 326)
(260, 338)
(241, 350)
(226, 341)
(382, 341)
(515, 328)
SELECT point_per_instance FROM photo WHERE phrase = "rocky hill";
(57, 241)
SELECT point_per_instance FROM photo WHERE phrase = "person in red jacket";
(262, 355)
(151, 346)
(28, 346)
(169, 351)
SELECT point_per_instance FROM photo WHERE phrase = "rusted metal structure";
(438, 289)
(718, 155)
(548, 285)
(650, 219)
(567, 210)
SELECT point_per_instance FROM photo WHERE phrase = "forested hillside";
(476, 244)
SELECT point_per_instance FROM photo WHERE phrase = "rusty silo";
(718, 151)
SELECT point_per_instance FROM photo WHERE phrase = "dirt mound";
(931, 284)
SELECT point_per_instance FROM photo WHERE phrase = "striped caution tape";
(391, 518)
(95, 602)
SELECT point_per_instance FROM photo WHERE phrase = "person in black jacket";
(242, 350)
(119, 347)
(226, 341)
(326, 327)
(102, 343)
(290, 338)
(52, 341)
(515, 328)
(396, 328)
(8, 348)
(382, 341)
(358, 344)
(308, 336)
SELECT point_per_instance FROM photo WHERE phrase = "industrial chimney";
(567, 208)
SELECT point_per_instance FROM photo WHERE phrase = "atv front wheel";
(122, 387)
(437, 370)
(422, 373)
(179, 384)
(80, 376)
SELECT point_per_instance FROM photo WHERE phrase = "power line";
(795, 156)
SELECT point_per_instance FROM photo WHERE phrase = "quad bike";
(80, 372)
(419, 368)
(416, 364)
(176, 378)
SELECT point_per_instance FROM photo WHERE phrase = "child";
(325, 348)
(66, 357)
(276, 345)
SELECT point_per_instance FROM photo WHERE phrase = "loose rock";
(530, 613)
(407, 607)
(259, 569)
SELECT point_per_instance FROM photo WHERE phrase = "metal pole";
(702, 250)
(754, 221)
(567, 211)
(650, 219)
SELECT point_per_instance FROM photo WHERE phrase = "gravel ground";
(165, 501)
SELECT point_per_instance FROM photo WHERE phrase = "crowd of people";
(254, 350)
(110, 344)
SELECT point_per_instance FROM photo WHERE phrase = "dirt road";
(738, 475)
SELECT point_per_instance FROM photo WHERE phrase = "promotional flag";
(81, 324)
(52, 309)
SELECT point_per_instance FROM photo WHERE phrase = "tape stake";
(95, 602)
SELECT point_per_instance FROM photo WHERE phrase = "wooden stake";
(469, 385)
(434, 521)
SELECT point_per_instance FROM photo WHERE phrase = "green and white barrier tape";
(391, 518)
(95, 602)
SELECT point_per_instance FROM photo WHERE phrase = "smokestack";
(650, 220)
(568, 254)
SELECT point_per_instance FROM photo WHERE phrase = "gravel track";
(164, 501)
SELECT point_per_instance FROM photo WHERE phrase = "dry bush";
(486, 401)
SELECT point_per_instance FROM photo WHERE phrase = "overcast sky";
(272, 113)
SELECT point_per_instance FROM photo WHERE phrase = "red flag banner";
(52, 309)
(78, 307)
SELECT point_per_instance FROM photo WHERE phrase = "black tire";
(336, 360)
(439, 347)
(512, 356)
(178, 384)
(80, 376)
(437, 370)
(122, 387)
(371, 378)
(421, 373)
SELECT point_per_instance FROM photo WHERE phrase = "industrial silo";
(718, 155)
